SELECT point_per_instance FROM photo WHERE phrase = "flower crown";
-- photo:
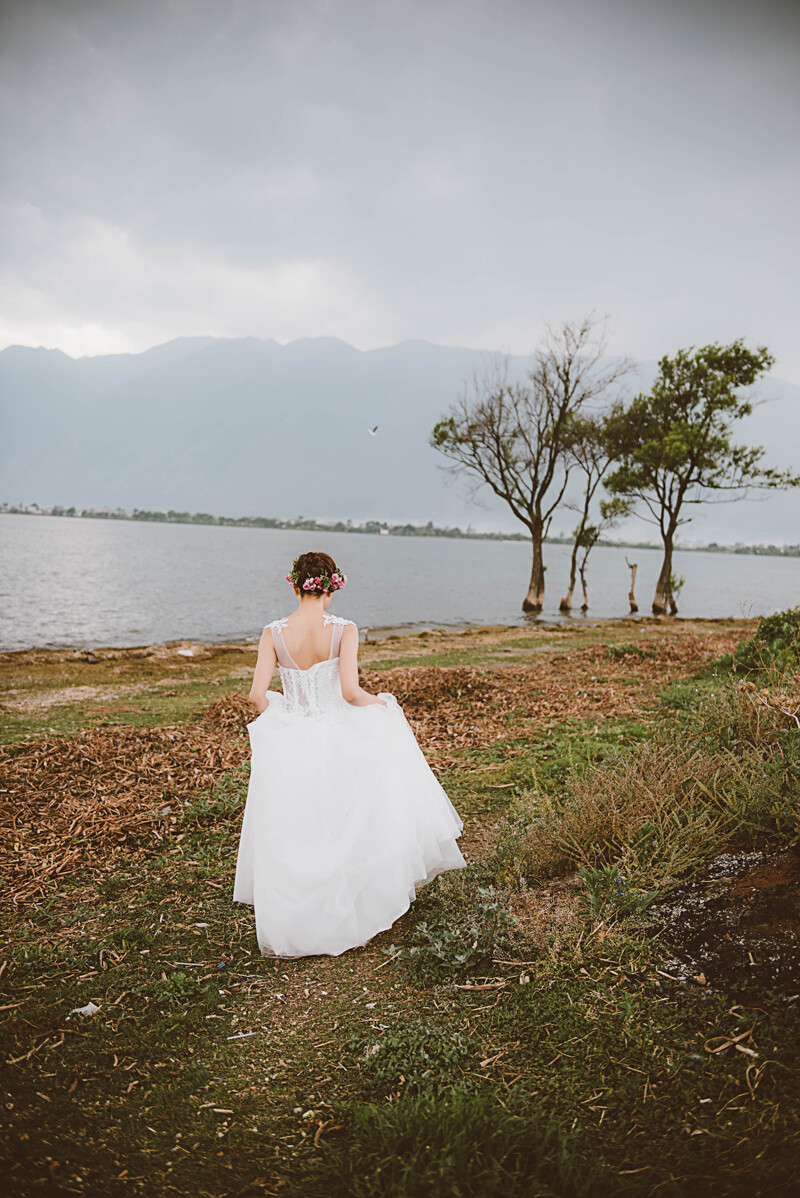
(323, 583)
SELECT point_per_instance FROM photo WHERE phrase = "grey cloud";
(468, 167)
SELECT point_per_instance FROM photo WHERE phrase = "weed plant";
(457, 932)
(662, 809)
(419, 1056)
(609, 896)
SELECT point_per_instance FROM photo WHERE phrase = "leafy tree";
(513, 436)
(675, 445)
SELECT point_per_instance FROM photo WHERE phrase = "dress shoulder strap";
(339, 625)
(277, 624)
(276, 627)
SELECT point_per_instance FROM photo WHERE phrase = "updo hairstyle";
(312, 565)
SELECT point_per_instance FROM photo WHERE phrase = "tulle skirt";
(344, 822)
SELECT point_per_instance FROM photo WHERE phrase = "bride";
(344, 819)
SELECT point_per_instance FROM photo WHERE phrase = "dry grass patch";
(648, 806)
(69, 802)
(666, 806)
(458, 708)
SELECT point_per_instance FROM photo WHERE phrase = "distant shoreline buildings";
(368, 528)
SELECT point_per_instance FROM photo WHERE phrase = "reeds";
(671, 803)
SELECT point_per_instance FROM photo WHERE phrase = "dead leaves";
(67, 802)
(453, 709)
(231, 713)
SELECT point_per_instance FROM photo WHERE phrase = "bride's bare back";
(309, 643)
(307, 637)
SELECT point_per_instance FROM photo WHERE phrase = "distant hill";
(251, 427)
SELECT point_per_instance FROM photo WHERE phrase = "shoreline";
(371, 636)
(383, 528)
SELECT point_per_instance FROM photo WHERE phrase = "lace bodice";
(314, 690)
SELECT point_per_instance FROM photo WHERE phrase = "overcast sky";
(384, 169)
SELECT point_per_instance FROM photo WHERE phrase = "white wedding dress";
(344, 819)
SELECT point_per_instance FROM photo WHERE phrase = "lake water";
(76, 583)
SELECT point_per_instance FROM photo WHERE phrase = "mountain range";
(251, 427)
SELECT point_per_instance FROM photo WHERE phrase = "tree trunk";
(633, 567)
(566, 602)
(534, 599)
(585, 604)
(663, 596)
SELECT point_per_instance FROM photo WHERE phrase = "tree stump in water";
(633, 567)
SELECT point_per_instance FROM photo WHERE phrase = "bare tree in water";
(513, 436)
(593, 450)
(587, 536)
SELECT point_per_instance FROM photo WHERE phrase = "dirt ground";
(737, 927)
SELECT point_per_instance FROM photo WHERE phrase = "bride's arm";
(348, 671)
(262, 677)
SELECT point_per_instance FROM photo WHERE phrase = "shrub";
(665, 808)
(645, 809)
(776, 642)
(741, 716)
(610, 896)
(623, 651)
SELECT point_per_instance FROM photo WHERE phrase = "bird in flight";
(373, 432)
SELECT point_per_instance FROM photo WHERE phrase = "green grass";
(488, 780)
(497, 649)
(461, 1143)
(148, 707)
(140, 1078)
(586, 1075)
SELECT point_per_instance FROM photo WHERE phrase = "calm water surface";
(74, 583)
